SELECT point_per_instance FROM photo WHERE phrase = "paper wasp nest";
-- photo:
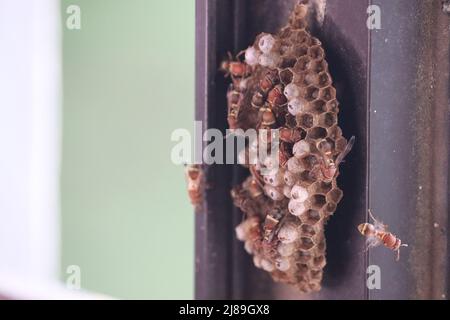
(284, 84)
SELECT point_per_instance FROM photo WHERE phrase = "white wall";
(29, 139)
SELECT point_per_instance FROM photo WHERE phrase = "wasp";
(378, 233)
(290, 135)
(235, 69)
(194, 177)
(328, 166)
(267, 118)
(258, 100)
(276, 97)
(235, 99)
(243, 201)
(255, 185)
(269, 81)
(284, 154)
(272, 224)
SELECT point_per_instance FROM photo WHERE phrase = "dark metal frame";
(393, 87)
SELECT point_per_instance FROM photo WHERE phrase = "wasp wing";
(347, 149)
(379, 225)
(372, 242)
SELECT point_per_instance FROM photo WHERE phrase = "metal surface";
(393, 89)
(409, 142)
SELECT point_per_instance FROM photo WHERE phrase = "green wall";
(128, 82)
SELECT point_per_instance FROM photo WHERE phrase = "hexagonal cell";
(301, 148)
(285, 48)
(290, 121)
(328, 93)
(299, 36)
(301, 64)
(324, 79)
(312, 79)
(288, 62)
(314, 148)
(322, 187)
(308, 162)
(302, 269)
(318, 201)
(333, 106)
(334, 195)
(306, 243)
(330, 208)
(308, 177)
(303, 286)
(305, 121)
(317, 66)
(318, 106)
(308, 230)
(285, 33)
(334, 132)
(300, 50)
(293, 165)
(316, 52)
(314, 286)
(315, 41)
(298, 24)
(328, 119)
(317, 273)
(317, 133)
(304, 256)
(286, 76)
(319, 262)
(322, 245)
(310, 217)
(286, 250)
(325, 146)
(311, 93)
(341, 143)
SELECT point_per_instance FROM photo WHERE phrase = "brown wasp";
(235, 99)
(249, 196)
(378, 233)
(276, 97)
(290, 135)
(328, 166)
(258, 100)
(272, 224)
(194, 177)
(269, 81)
(267, 118)
(234, 68)
(284, 153)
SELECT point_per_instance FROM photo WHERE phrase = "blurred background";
(87, 188)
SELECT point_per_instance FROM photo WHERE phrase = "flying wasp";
(378, 233)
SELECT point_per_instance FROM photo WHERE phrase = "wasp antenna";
(370, 215)
(240, 54)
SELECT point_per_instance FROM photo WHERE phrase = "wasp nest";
(284, 84)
